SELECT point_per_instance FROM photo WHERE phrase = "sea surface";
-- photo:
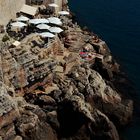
(118, 23)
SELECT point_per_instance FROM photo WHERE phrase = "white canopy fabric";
(55, 30)
(53, 5)
(38, 21)
(18, 24)
(47, 34)
(22, 18)
(55, 20)
(63, 13)
(43, 26)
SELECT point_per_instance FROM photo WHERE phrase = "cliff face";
(8, 9)
(61, 88)
(82, 107)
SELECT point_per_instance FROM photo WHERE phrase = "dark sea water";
(118, 23)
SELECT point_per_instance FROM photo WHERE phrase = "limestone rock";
(18, 138)
(81, 113)
(47, 100)
(8, 108)
(52, 119)
(31, 128)
(8, 132)
(103, 128)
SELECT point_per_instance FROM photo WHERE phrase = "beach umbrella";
(38, 21)
(63, 13)
(53, 5)
(22, 18)
(55, 30)
(47, 34)
(43, 26)
(18, 24)
(55, 20)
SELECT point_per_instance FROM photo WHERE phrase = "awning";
(30, 10)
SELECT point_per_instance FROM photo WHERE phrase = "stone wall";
(8, 9)
(59, 3)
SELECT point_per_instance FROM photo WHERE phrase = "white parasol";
(43, 26)
(18, 24)
(22, 18)
(47, 34)
(53, 5)
(55, 30)
(55, 20)
(63, 13)
(38, 21)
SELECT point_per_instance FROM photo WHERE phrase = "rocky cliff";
(64, 91)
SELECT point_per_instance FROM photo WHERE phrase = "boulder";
(31, 128)
(74, 113)
(53, 120)
(18, 138)
(47, 100)
(8, 132)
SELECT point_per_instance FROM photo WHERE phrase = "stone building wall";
(58, 2)
(8, 9)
